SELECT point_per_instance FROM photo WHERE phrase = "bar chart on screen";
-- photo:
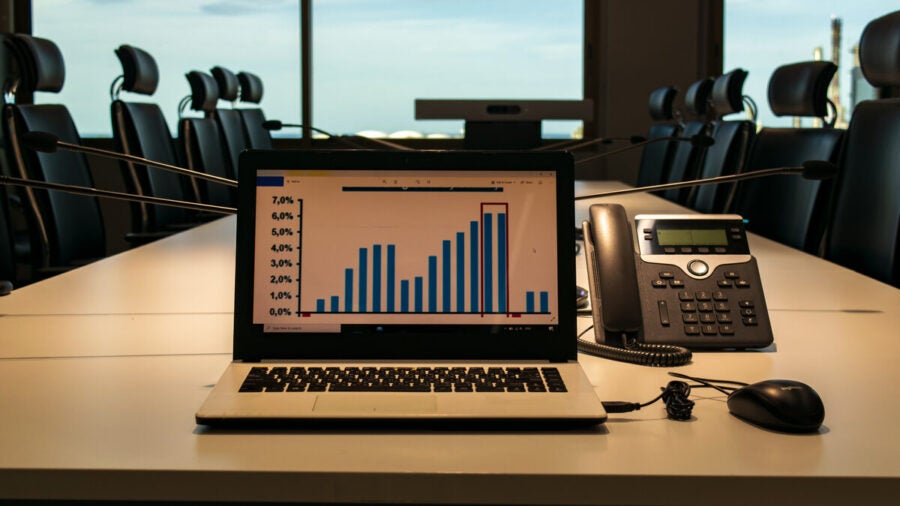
(399, 247)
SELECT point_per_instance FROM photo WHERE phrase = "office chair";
(732, 141)
(234, 137)
(140, 129)
(864, 229)
(7, 255)
(687, 157)
(64, 230)
(791, 210)
(657, 157)
(253, 117)
(202, 142)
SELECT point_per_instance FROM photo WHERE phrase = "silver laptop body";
(387, 286)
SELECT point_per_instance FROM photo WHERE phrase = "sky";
(373, 58)
(761, 35)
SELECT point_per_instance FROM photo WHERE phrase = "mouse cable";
(675, 395)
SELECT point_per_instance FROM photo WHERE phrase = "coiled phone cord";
(637, 352)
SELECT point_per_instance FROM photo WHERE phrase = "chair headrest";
(728, 92)
(228, 83)
(41, 65)
(661, 103)
(879, 51)
(204, 91)
(801, 89)
(141, 75)
(696, 98)
(251, 87)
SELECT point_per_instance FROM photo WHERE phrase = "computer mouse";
(6, 288)
(581, 297)
(782, 405)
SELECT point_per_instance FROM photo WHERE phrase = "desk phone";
(692, 281)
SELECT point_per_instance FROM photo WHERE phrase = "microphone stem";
(626, 148)
(142, 161)
(95, 192)
(697, 182)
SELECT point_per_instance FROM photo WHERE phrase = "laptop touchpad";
(379, 402)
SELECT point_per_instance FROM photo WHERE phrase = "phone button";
(698, 267)
(664, 313)
(692, 330)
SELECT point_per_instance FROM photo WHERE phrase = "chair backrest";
(864, 230)
(65, 229)
(7, 255)
(728, 154)
(140, 129)
(253, 117)
(230, 124)
(656, 158)
(791, 210)
(202, 141)
(688, 157)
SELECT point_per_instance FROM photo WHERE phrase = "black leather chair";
(864, 230)
(688, 157)
(790, 209)
(234, 137)
(202, 142)
(656, 158)
(732, 142)
(140, 129)
(7, 255)
(65, 230)
(253, 117)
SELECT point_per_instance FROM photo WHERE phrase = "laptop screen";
(426, 253)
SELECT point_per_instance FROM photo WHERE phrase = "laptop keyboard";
(403, 379)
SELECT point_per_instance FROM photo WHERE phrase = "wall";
(636, 48)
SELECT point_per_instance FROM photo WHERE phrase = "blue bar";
(460, 272)
(418, 294)
(545, 302)
(335, 303)
(473, 266)
(391, 272)
(404, 296)
(348, 290)
(529, 302)
(320, 305)
(488, 263)
(432, 284)
(269, 180)
(501, 262)
(363, 275)
(376, 278)
(445, 299)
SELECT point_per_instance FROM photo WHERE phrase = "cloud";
(241, 7)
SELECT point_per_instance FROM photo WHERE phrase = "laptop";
(391, 286)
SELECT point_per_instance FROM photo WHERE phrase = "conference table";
(104, 367)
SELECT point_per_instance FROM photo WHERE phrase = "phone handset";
(615, 297)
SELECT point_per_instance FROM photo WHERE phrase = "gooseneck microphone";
(48, 143)
(699, 140)
(274, 124)
(812, 169)
(128, 197)
(571, 145)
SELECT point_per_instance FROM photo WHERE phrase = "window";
(259, 37)
(371, 60)
(761, 35)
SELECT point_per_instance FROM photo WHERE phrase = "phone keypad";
(707, 313)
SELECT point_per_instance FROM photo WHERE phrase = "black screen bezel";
(480, 342)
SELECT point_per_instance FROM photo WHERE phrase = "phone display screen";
(691, 237)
